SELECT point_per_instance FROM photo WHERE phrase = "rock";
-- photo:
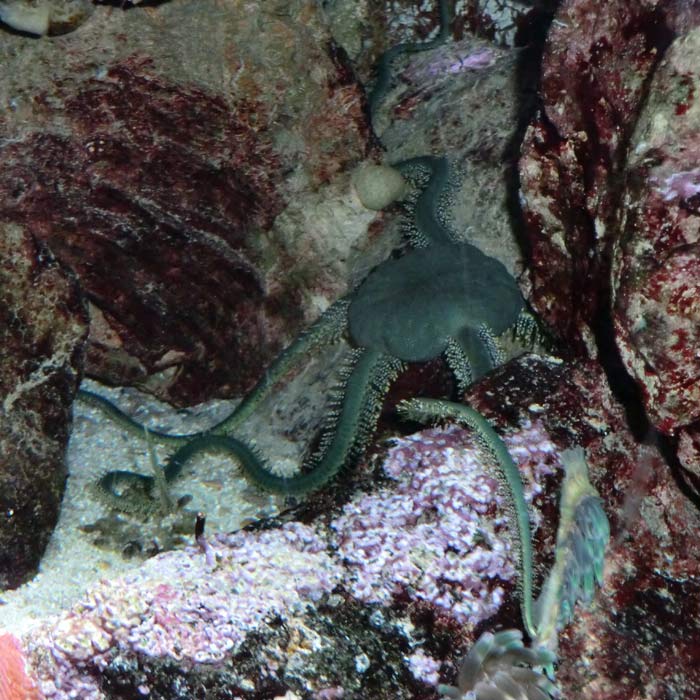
(153, 152)
(608, 194)
(656, 270)
(45, 16)
(43, 325)
(594, 72)
(423, 549)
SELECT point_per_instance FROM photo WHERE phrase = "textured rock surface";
(594, 72)
(656, 275)
(43, 325)
(45, 16)
(607, 175)
(216, 615)
(152, 150)
(638, 640)
(461, 100)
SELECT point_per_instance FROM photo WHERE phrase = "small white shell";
(378, 186)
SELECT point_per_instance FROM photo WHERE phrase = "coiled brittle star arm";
(115, 484)
(366, 377)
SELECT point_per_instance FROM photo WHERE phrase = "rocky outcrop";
(43, 325)
(610, 190)
(152, 160)
(656, 267)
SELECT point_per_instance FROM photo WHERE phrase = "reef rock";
(43, 325)
(45, 16)
(656, 270)
(603, 205)
(594, 69)
(153, 150)
(389, 587)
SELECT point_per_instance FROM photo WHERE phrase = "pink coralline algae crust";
(435, 536)
(656, 275)
(683, 185)
(148, 196)
(439, 533)
(177, 606)
(597, 62)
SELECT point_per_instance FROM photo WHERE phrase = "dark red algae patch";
(683, 104)
(643, 643)
(151, 192)
(551, 392)
(595, 70)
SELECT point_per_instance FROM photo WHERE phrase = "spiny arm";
(127, 422)
(423, 410)
(383, 80)
(326, 330)
(366, 376)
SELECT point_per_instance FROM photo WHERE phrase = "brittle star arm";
(423, 410)
(366, 377)
(326, 330)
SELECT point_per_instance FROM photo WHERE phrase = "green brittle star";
(446, 297)
(443, 297)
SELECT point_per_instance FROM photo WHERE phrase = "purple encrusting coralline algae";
(178, 606)
(435, 533)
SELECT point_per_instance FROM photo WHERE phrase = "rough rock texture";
(45, 16)
(656, 275)
(43, 325)
(367, 29)
(689, 451)
(638, 640)
(607, 174)
(215, 616)
(152, 150)
(594, 72)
